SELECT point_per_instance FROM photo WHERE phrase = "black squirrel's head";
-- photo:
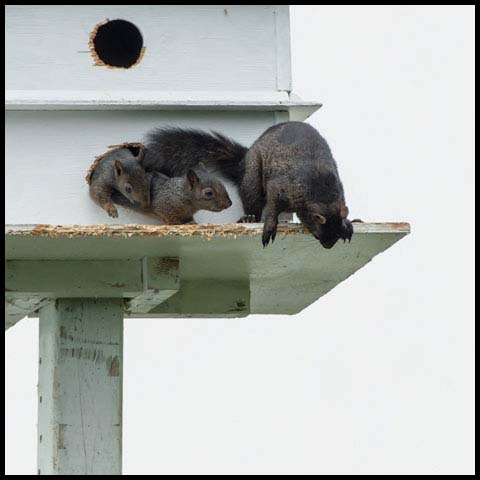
(132, 182)
(208, 192)
(328, 223)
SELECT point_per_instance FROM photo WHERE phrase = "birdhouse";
(80, 78)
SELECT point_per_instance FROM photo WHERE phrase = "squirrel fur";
(289, 168)
(174, 200)
(119, 173)
(173, 151)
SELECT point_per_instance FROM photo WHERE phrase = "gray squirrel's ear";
(117, 165)
(192, 178)
(202, 166)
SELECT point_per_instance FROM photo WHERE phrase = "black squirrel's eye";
(128, 188)
(208, 193)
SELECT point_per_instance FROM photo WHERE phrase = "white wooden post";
(80, 387)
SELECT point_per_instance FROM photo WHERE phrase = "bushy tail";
(173, 151)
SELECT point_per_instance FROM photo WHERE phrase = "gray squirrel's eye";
(208, 193)
(128, 188)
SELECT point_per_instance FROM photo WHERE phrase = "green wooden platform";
(186, 270)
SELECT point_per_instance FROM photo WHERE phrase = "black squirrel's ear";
(319, 218)
(343, 211)
(117, 165)
(192, 178)
(343, 208)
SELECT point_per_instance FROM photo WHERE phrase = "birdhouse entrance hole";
(116, 44)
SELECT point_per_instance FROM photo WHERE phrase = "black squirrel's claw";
(347, 231)
(269, 233)
(265, 239)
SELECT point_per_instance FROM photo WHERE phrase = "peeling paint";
(61, 436)
(241, 304)
(64, 335)
(114, 367)
(81, 353)
(166, 265)
(116, 285)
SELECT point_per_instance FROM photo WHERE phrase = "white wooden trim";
(91, 278)
(148, 100)
(282, 41)
(281, 117)
(30, 285)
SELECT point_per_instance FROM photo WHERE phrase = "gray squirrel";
(174, 200)
(118, 172)
(289, 168)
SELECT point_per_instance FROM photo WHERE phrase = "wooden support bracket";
(160, 280)
(17, 308)
(144, 284)
(205, 298)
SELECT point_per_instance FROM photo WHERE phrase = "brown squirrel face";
(133, 182)
(208, 193)
(327, 223)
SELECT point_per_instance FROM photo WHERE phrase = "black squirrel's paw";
(347, 231)
(112, 211)
(247, 219)
(269, 233)
(357, 220)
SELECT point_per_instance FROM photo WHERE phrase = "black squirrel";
(174, 200)
(118, 173)
(289, 168)
(173, 151)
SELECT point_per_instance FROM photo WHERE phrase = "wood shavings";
(205, 230)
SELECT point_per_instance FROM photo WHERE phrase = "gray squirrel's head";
(328, 223)
(132, 181)
(208, 192)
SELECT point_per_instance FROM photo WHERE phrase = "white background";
(378, 375)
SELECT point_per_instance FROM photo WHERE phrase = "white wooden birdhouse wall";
(71, 94)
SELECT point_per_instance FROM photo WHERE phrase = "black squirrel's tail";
(173, 151)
